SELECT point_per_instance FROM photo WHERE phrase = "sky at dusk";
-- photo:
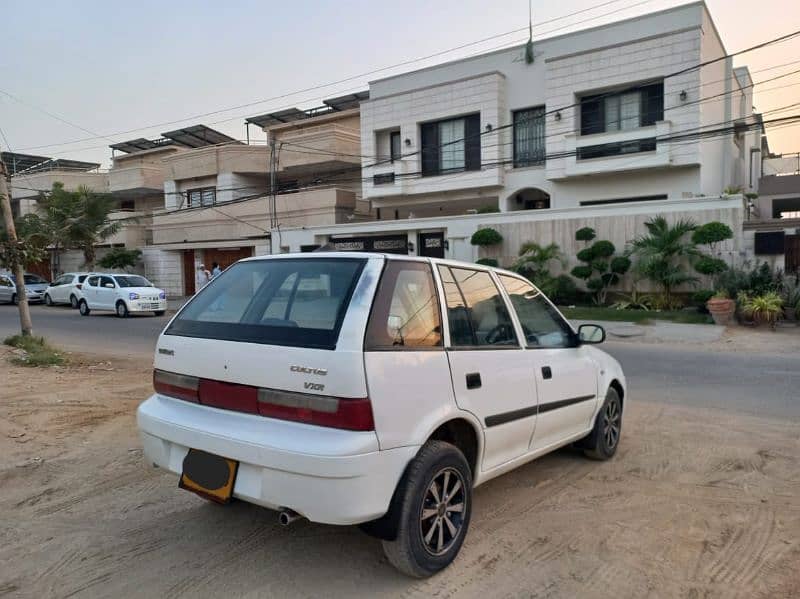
(108, 72)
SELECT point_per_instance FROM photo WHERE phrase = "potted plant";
(764, 308)
(721, 307)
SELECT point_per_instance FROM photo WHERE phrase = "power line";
(345, 80)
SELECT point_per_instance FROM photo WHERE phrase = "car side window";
(405, 313)
(105, 281)
(4, 282)
(92, 281)
(476, 312)
(542, 325)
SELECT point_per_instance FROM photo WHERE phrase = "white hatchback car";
(66, 289)
(374, 390)
(122, 294)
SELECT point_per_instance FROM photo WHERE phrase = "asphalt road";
(754, 383)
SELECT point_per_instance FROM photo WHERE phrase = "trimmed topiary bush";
(600, 268)
(485, 237)
(707, 265)
(711, 234)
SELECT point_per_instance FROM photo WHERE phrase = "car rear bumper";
(327, 475)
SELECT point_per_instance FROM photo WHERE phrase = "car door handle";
(546, 373)
(474, 380)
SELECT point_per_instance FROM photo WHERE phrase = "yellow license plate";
(210, 476)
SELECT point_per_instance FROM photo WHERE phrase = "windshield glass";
(30, 279)
(295, 301)
(132, 281)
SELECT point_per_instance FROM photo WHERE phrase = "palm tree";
(664, 252)
(92, 224)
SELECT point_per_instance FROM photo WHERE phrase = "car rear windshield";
(133, 281)
(298, 302)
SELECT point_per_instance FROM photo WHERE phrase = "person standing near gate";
(215, 270)
(201, 277)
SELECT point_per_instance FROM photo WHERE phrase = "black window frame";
(651, 108)
(475, 346)
(431, 146)
(539, 161)
(201, 191)
(617, 148)
(282, 336)
(393, 156)
(382, 301)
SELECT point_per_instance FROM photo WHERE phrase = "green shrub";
(585, 234)
(564, 290)
(599, 265)
(603, 249)
(620, 264)
(582, 272)
(487, 262)
(595, 284)
(485, 237)
(488, 209)
(120, 258)
(707, 265)
(585, 255)
(702, 296)
(36, 351)
(711, 233)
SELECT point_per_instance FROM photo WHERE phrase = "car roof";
(378, 255)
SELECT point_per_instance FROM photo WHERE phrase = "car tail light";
(179, 386)
(79, 285)
(320, 410)
(350, 414)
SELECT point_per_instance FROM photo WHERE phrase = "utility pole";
(273, 166)
(19, 269)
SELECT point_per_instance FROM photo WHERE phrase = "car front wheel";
(602, 442)
(122, 309)
(83, 308)
(436, 503)
(47, 300)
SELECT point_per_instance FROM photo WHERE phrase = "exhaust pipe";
(286, 517)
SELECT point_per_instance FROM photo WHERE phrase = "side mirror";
(591, 333)
(109, 285)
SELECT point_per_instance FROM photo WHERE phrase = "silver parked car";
(34, 288)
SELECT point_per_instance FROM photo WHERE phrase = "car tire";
(429, 532)
(83, 308)
(121, 309)
(73, 302)
(159, 312)
(602, 442)
(48, 300)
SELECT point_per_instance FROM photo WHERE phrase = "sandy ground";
(696, 504)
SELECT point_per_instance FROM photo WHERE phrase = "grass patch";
(35, 351)
(637, 316)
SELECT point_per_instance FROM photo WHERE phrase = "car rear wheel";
(83, 308)
(73, 301)
(122, 309)
(602, 442)
(436, 503)
(47, 300)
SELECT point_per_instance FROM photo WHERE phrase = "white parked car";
(374, 390)
(66, 289)
(122, 294)
(34, 288)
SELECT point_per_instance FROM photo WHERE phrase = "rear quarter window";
(298, 302)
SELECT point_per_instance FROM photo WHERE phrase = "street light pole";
(26, 325)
